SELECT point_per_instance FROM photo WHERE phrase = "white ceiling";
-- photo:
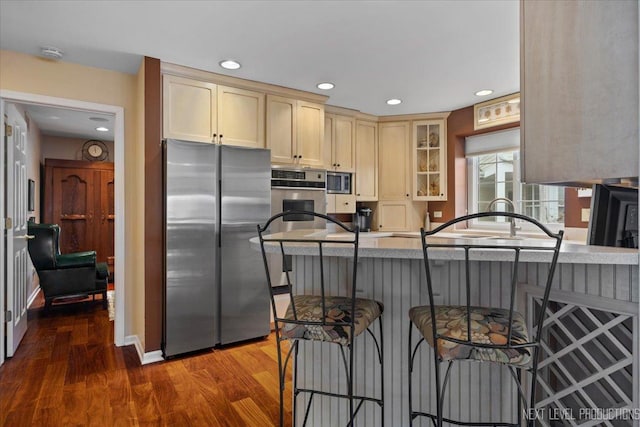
(431, 54)
(71, 123)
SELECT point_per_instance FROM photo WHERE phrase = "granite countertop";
(407, 245)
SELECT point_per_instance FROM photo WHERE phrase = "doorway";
(80, 107)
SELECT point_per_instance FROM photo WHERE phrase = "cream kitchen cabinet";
(202, 111)
(341, 203)
(295, 131)
(366, 161)
(579, 91)
(394, 168)
(339, 145)
(429, 158)
(394, 215)
(394, 177)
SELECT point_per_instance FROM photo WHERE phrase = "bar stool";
(466, 331)
(315, 314)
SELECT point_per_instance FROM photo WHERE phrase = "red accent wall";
(153, 230)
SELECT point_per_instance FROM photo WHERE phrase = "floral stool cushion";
(309, 308)
(488, 326)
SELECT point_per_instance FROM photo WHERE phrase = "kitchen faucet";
(512, 221)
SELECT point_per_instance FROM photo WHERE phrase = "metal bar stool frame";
(515, 371)
(281, 321)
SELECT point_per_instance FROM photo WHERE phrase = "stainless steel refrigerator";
(215, 291)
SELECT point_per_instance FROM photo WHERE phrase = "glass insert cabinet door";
(429, 160)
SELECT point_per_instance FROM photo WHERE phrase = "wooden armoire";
(79, 196)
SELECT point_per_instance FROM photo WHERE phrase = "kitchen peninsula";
(590, 345)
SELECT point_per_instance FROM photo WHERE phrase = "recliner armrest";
(76, 259)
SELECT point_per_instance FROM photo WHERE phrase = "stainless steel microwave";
(339, 182)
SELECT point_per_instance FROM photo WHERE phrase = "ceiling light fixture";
(102, 129)
(394, 101)
(98, 119)
(484, 92)
(230, 64)
(51, 52)
(325, 86)
(54, 118)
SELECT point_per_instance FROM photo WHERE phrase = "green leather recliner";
(64, 275)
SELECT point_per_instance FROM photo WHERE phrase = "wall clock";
(95, 150)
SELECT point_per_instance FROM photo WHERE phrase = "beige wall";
(30, 74)
(62, 147)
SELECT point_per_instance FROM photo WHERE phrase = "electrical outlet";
(437, 214)
(585, 214)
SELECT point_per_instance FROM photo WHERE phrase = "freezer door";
(191, 247)
(246, 202)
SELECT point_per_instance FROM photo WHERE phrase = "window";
(494, 173)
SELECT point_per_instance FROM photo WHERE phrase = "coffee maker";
(364, 219)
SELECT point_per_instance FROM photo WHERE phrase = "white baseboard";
(33, 296)
(145, 358)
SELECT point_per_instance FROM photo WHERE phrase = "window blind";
(504, 140)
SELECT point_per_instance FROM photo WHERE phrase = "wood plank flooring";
(68, 372)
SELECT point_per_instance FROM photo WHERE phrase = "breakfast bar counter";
(590, 356)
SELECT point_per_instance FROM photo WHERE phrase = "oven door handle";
(298, 188)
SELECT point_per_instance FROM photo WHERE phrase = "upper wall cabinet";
(579, 77)
(189, 109)
(394, 167)
(366, 159)
(339, 146)
(295, 131)
(429, 156)
(206, 112)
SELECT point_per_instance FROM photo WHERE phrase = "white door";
(16, 228)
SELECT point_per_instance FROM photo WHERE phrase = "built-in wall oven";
(295, 189)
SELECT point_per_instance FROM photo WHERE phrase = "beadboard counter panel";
(590, 281)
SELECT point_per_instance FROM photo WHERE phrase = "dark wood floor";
(67, 372)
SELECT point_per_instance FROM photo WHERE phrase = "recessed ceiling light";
(484, 92)
(394, 101)
(102, 129)
(230, 64)
(326, 86)
(98, 119)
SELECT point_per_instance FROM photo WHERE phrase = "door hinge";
(8, 130)
(8, 224)
(8, 316)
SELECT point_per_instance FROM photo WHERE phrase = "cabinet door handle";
(338, 164)
(407, 195)
(213, 139)
(346, 203)
(220, 139)
(358, 194)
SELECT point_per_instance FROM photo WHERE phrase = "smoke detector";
(51, 52)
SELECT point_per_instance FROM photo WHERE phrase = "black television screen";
(614, 216)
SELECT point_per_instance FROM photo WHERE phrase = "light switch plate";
(437, 214)
(585, 214)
